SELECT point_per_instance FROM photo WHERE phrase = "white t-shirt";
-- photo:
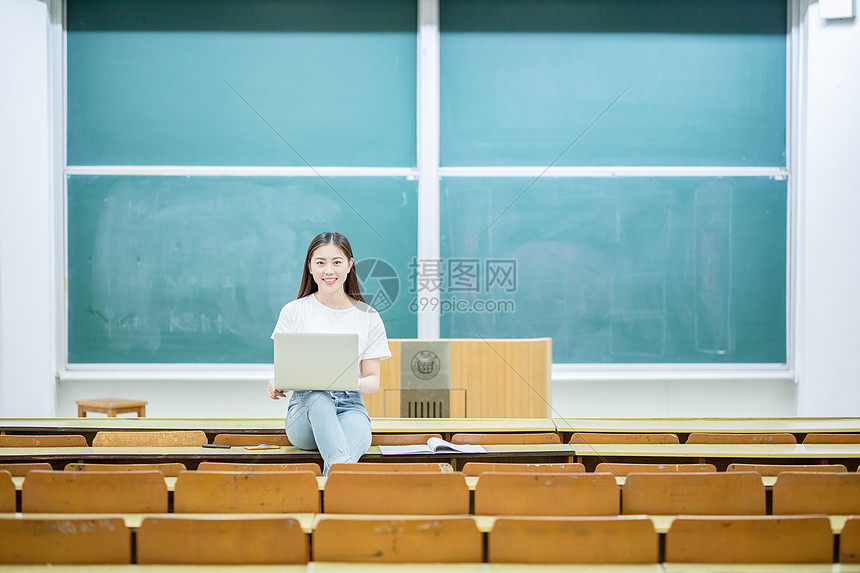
(307, 314)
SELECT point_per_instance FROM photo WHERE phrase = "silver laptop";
(316, 362)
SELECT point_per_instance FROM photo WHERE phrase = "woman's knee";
(301, 438)
(356, 428)
(299, 430)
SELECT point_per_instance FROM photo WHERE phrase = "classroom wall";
(828, 310)
(828, 373)
(27, 281)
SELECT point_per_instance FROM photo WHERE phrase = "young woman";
(329, 301)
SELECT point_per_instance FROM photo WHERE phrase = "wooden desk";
(484, 524)
(308, 521)
(685, 426)
(191, 456)
(154, 568)
(112, 407)
(89, 426)
(767, 481)
(446, 426)
(169, 481)
(520, 453)
(133, 520)
(321, 567)
(471, 482)
(721, 455)
(318, 567)
(760, 568)
(662, 523)
(213, 426)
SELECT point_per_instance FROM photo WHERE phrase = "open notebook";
(433, 446)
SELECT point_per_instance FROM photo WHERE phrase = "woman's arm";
(369, 381)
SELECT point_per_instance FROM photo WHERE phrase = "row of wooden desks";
(484, 524)
(446, 426)
(321, 567)
(88, 427)
(721, 455)
(794, 425)
(309, 521)
(270, 425)
(192, 456)
(471, 481)
(589, 454)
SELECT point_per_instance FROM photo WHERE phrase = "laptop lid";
(316, 361)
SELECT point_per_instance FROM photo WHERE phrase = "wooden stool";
(111, 407)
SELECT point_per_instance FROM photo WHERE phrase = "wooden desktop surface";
(471, 482)
(97, 423)
(709, 425)
(446, 425)
(309, 521)
(590, 454)
(271, 425)
(322, 567)
(169, 481)
(760, 568)
(485, 523)
(290, 454)
(721, 455)
(740, 451)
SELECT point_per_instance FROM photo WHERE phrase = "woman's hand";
(273, 393)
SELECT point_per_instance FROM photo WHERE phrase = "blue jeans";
(335, 423)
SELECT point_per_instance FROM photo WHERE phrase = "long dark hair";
(350, 287)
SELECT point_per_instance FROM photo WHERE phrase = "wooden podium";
(490, 378)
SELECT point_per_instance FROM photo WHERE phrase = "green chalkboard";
(620, 270)
(520, 81)
(148, 82)
(176, 269)
(166, 269)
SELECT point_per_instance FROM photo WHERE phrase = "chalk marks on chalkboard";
(172, 262)
(169, 269)
(712, 227)
(184, 321)
(687, 270)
